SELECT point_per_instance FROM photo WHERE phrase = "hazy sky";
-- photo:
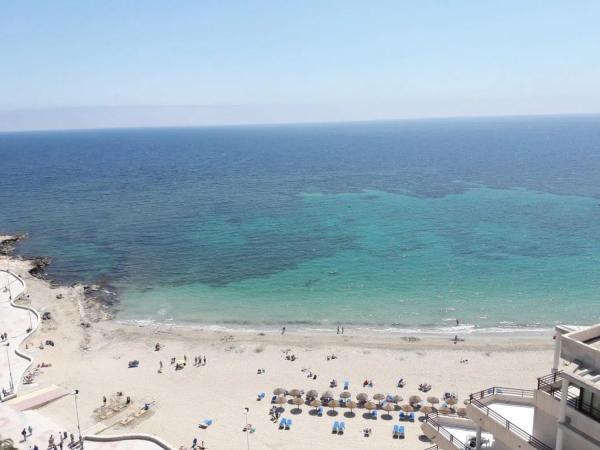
(67, 64)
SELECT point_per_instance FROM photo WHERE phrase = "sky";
(89, 64)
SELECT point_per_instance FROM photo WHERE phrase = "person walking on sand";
(194, 442)
(457, 322)
(282, 330)
(338, 330)
(24, 434)
(30, 430)
(342, 330)
(204, 363)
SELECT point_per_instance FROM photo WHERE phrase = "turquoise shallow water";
(415, 263)
(404, 225)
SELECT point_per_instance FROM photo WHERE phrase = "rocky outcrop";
(39, 264)
(8, 243)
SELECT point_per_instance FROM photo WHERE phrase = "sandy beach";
(92, 355)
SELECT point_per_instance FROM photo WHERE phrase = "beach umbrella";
(389, 407)
(298, 401)
(315, 403)
(452, 401)
(398, 398)
(327, 394)
(295, 393)
(433, 400)
(333, 404)
(461, 412)
(407, 408)
(370, 406)
(362, 397)
(351, 405)
(426, 409)
(414, 399)
(345, 394)
(379, 397)
(280, 400)
(443, 410)
(279, 391)
(312, 394)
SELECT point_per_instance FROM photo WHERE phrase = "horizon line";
(283, 123)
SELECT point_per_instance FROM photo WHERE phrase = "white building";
(561, 413)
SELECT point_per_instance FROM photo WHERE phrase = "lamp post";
(246, 411)
(29, 311)
(74, 394)
(12, 386)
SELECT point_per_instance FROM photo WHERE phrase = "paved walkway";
(15, 322)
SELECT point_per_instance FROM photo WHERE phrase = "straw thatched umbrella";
(280, 400)
(351, 405)
(362, 397)
(378, 397)
(398, 398)
(315, 403)
(444, 410)
(407, 408)
(433, 400)
(312, 394)
(370, 406)
(345, 394)
(333, 404)
(414, 399)
(327, 394)
(452, 401)
(426, 409)
(389, 407)
(295, 393)
(298, 401)
(461, 412)
(279, 391)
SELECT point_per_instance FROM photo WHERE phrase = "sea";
(399, 226)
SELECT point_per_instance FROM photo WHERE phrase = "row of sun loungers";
(410, 417)
(285, 424)
(398, 432)
(338, 427)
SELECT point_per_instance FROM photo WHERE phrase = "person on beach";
(204, 362)
(342, 330)
(24, 434)
(282, 330)
(338, 330)
(194, 442)
(456, 322)
(30, 430)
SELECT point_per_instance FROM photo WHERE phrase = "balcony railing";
(475, 398)
(551, 384)
(429, 418)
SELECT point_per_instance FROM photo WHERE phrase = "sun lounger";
(401, 431)
(288, 424)
(282, 423)
(411, 417)
(261, 396)
(342, 428)
(320, 411)
(346, 385)
(206, 423)
(374, 414)
(402, 416)
(395, 433)
(127, 420)
(141, 412)
(336, 427)
(108, 413)
(273, 399)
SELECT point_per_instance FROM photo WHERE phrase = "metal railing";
(551, 384)
(433, 447)
(445, 433)
(475, 398)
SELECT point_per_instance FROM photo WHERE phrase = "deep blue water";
(494, 221)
